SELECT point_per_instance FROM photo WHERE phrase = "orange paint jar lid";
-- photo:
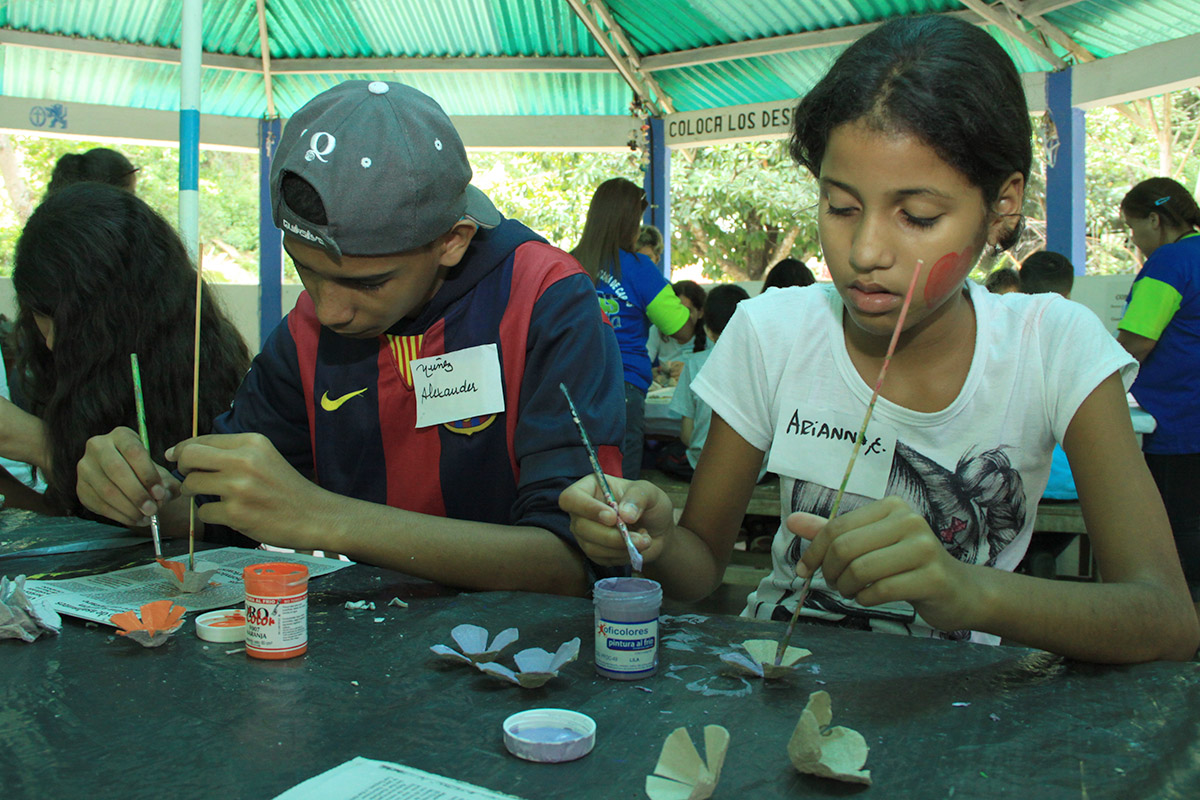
(275, 579)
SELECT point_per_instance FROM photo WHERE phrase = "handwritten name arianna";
(823, 430)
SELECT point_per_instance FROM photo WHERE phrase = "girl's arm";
(1140, 612)
(689, 557)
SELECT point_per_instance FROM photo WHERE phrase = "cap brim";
(480, 209)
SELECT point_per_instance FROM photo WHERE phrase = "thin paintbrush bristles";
(862, 432)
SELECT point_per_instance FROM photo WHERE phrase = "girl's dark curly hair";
(115, 279)
(98, 164)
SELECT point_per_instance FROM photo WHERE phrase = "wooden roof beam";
(1005, 20)
(629, 63)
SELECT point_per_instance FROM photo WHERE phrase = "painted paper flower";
(761, 660)
(680, 774)
(817, 749)
(186, 580)
(535, 666)
(157, 622)
(472, 640)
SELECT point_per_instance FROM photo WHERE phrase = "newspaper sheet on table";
(366, 779)
(98, 597)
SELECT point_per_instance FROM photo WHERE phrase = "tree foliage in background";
(738, 209)
(228, 196)
(735, 209)
(549, 192)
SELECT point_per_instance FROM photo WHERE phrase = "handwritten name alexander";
(823, 430)
(434, 392)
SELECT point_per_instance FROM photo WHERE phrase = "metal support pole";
(658, 188)
(1066, 222)
(270, 238)
(189, 128)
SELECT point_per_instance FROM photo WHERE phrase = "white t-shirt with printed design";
(781, 377)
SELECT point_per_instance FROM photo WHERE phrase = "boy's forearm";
(461, 553)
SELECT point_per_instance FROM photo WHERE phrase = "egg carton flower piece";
(22, 618)
(157, 622)
(535, 666)
(680, 774)
(472, 640)
(187, 580)
(761, 661)
(817, 749)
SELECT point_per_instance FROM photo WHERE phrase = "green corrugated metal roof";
(60, 62)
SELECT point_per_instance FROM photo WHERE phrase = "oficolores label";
(628, 647)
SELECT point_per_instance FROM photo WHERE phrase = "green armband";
(667, 312)
(1152, 305)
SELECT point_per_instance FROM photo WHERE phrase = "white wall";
(240, 302)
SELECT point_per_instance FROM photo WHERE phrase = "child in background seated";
(1041, 272)
(788, 272)
(697, 414)
(667, 354)
(1002, 280)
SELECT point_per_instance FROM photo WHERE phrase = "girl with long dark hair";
(633, 293)
(99, 275)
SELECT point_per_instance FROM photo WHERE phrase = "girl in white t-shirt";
(919, 138)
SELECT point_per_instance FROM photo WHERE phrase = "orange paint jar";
(276, 609)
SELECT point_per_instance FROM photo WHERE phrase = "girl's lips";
(873, 300)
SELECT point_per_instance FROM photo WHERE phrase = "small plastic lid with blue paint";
(549, 735)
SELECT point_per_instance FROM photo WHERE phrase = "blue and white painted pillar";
(270, 238)
(658, 187)
(1066, 220)
(189, 128)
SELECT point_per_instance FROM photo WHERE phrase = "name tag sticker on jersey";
(458, 385)
(814, 445)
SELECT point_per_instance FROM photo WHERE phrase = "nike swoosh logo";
(334, 405)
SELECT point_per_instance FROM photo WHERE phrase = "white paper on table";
(366, 779)
(97, 597)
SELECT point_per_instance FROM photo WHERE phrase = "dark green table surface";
(91, 715)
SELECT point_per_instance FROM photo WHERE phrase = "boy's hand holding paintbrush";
(645, 509)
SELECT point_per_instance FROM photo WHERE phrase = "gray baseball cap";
(387, 164)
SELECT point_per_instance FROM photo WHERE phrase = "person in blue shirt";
(633, 293)
(1161, 329)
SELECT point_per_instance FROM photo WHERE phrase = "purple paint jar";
(627, 627)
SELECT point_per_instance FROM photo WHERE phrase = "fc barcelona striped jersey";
(343, 411)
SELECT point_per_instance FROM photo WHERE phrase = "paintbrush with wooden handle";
(837, 500)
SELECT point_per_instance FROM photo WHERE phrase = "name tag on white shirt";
(814, 445)
(458, 385)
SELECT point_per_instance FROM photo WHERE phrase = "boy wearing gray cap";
(407, 412)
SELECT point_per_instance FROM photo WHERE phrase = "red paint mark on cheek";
(946, 275)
